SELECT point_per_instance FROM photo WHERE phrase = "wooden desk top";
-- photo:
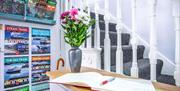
(157, 85)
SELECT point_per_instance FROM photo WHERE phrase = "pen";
(108, 80)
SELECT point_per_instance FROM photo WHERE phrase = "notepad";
(94, 80)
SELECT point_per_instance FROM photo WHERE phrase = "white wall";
(166, 32)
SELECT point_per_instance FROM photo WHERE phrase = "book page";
(127, 85)
(92, 79)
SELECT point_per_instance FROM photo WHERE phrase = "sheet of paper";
(90, 78)
(94, 80)
(128, 85)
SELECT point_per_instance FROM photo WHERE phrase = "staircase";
(143, 63)
(121, 52)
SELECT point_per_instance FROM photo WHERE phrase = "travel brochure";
(40, 87)
(16, 40)
(39, 11)
(43, 9)
(1, 27)
(36, 87)
(40, 41)
(40, 65)
(16, 71)
(16, 7)
(26, 88)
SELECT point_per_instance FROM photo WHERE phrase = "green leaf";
(76, 34)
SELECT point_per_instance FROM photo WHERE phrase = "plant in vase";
(75, 24)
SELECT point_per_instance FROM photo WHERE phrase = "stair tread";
(168, 79)
(112, 26)
(144, 68)
(125, 38)
(127, 53)
(101, 17)
(124, 46)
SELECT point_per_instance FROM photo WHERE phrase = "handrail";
(141, 39)
(127, 28)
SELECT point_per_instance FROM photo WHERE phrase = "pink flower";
(73, 18)
(64, 14)
(74, 12)
(64, 22)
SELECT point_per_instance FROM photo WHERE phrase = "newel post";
(97, 28)
(134, 69)
(107, 44)
(119, 28)
(89, 40)
(153, 40)
(81, 6)
(176, 14)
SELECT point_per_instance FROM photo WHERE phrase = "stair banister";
(89, 40)
(107, 44)
(160, 55)
(130, 30)
(119, 28)
(134, 68)
(153, 40)
(75, 4)
(66, 5)
(97, 28)
(176, 14)
(70, 4)
(81, 4)
(81, 7)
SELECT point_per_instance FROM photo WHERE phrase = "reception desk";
(54, 74)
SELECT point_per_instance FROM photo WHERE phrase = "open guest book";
(99, 82)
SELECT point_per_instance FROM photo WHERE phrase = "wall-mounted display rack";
(26, 58)
(36, 11)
